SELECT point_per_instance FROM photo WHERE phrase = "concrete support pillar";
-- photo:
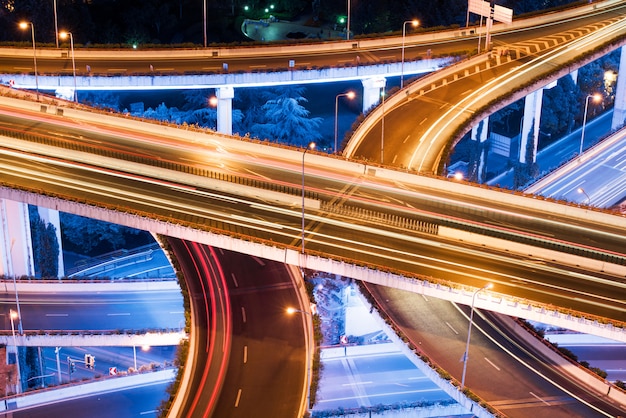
(619, 109)
(225, 97)
(530, 123)
(66, 93)
(51, 216)
(480, 133)
(372, 88)
(15, 240)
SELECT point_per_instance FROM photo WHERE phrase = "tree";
(502, 121)
(30, 367)
(285, 120)
(560, 107)
(45, 245)
(87, 234)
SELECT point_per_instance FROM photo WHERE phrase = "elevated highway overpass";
(425, 120)
(600, 29)
(370, 223)
(317, 256)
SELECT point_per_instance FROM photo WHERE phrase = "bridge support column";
(15, 242)
(372, 87)
(51, 216)
(66, 93)
(225, 97)
(478, 159)
(530, 125)
(619, 109)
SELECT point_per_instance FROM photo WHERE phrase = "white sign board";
(483, 8)
(502, 14)
(479, 7)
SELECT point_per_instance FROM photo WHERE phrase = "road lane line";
(258, 260)
(119, 314)
(245, 354)
(539, 398)
(238, 397)
(452, 328)
(357, 383)
(490, 362)
(243, 314)
(56, 314)
(234, 279)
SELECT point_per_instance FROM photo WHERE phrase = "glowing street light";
(582, 191)
(311, 145)
(24, 25)
(144, 347)
(596, 98)
(350, 95)
(64, 35)
(15, 316)
(414, 23)
(469, 331)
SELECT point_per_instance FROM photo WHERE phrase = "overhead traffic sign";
(483, 8)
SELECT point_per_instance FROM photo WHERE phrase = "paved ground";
(276, 30)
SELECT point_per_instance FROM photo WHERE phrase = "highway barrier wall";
(109, 384)
(88, 286)
(531, 251)
(581, 374)
(321, 47)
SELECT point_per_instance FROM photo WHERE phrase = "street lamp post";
(143, 348)
(14, 316)
(24, 25)
(413, 22)
(56, 23)
(469, 332)
(307, 334)
(595, 98)
(204, 22)
(311, 145)
(65, 35)
(382, 128)
(348, 23)
(350, 95)
(582, 191)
